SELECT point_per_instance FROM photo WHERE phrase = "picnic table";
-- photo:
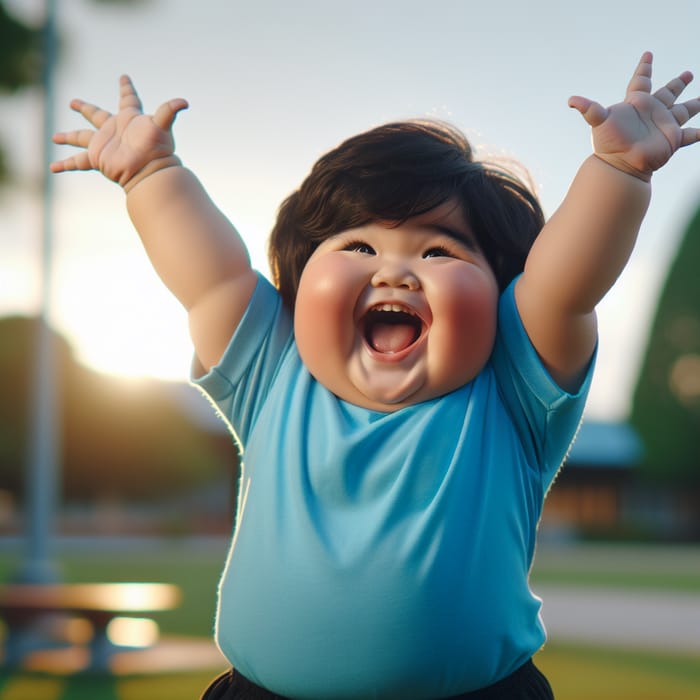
(24, 606)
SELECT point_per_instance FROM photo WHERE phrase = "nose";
(395, 274)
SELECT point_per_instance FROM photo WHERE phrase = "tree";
(666, 403)
(123, 441)
(21, 60)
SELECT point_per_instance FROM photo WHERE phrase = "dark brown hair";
(394, 172)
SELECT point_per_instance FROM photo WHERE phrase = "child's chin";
(389, 397)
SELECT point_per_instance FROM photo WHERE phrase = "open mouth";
(391, 328)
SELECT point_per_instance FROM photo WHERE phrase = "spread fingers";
(94, 114)
(80, 138)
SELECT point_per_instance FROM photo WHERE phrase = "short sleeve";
(547, 417)
(238, 384)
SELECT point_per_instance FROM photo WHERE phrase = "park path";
(633, 619)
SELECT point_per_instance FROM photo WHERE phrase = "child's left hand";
(641, 134)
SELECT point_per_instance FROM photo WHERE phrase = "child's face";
(389, 317)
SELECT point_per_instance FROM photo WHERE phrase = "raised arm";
(195, 250)
(587, 242)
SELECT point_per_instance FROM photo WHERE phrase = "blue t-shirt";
(384, 554)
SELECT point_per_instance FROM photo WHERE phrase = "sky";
(273, 85)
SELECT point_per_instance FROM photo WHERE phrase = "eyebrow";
(458, 235)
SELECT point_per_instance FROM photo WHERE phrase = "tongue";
(392, 337)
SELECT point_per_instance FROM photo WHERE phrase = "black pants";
(527, 683)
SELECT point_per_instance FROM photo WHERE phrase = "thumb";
(593, 112)
(166, 113)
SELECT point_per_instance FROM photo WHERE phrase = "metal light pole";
(43, 451)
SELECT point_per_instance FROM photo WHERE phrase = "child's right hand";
(125, 147)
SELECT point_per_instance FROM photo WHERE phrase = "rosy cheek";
(325, 303)
(477, 328)
(467, 323)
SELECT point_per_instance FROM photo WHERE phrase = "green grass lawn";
(24, 686)
(576, 672)
(666, 568)
(600, 673)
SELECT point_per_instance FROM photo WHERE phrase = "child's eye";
(438, 252)
(359, 247)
